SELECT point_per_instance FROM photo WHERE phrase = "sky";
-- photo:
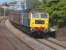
(1, 1)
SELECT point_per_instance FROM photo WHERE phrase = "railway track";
(57, 42)
(52, 43)
(36, 44)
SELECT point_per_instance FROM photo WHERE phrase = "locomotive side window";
(44, 16)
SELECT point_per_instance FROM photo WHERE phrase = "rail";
(57, 42)
(34, 44)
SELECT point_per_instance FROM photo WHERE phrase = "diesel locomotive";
(32, 21)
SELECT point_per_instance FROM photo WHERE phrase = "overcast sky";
(1, 1)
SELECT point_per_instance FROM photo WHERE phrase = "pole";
(0, 11)
(4, 12)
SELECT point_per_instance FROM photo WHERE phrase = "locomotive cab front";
(39, 22)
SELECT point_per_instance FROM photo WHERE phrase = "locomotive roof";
(36, 11)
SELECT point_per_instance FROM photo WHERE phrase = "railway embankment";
(61, 35)
(34, 44)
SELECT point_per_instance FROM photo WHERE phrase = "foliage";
(35, 3)
(56, 10)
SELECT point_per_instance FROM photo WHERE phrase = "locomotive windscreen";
(44, 16)
(39, 15)
(36, 15)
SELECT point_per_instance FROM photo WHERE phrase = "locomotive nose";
(39, 28)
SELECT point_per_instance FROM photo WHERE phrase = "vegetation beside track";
(56, 10)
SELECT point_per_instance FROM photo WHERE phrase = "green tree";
(35, 3)
(56, 10)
